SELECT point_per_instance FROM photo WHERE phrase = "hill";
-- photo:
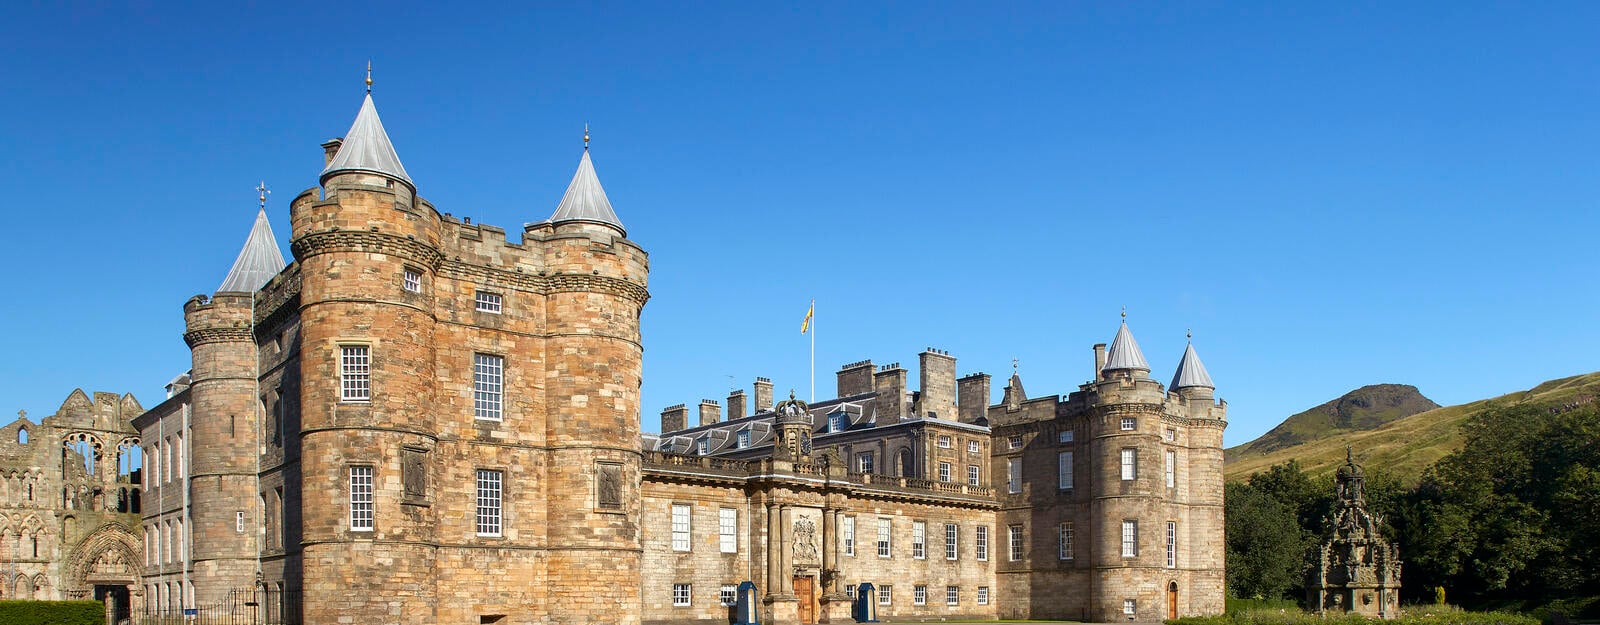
(1402, 446)
(1366, 408)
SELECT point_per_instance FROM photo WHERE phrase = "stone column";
(785, 605)
(835, 604)
(786, 572)
(829, 515)
(774, 547)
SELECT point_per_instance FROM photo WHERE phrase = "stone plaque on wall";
(608, 485)
(414, 473)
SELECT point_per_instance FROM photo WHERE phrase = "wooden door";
(1172, 600)
(808, 605)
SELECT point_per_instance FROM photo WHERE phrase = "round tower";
(1201, 547)
(367, 392)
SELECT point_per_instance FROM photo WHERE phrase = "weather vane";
(1124, 312)
(1013, 366)
(585, 135)
(369, 75)
(262, 192)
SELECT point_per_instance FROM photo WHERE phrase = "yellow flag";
(806, 325)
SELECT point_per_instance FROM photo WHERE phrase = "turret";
(1191, 380)
(1125, 358)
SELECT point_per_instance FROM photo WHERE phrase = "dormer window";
(743, 439)
(488, 302)
(836, 422)
(704, 446)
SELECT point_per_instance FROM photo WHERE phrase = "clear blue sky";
(1329, 194)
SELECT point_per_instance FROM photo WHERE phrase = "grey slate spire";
(367, 149)
(585, 199)
(1191, 373)
(1125, 352)
(258, 262)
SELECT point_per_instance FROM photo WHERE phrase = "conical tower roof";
(258, 262)
(366, 148)
(585, 199)
(1125, 353)
(1191, 372)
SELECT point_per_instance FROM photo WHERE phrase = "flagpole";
(813, 350)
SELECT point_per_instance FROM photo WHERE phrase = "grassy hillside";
(1366, 408)
(1405, 446)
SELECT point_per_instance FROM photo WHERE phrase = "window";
(983, 595)
(836, 422)
(919, 540)
(411, 280)
(1172, 544)
(1064, 538)
(728, 528)
(728, 595)
(885, 594)
(743, 439)
(1130, 539)
(183, 542)
(166, 530)
(1171, 435)
(166, 448)
(944, 441)
(1172, 468)
(1016, 442)
(944, 471)
(883, 538)
(1130, 463)
(952, 541)
(489, 303)
(849, 532)
(680, 527)
(980, 542)
(972, 475)
(919, 595)
(355, 372)
(1129, 423)
(864, 462)
(1016, 542)
(180, 456)
(489, 502)
(850, 590)
(973, 448)
(488, 382)
(952, 595)
(1064, 436)
(1014, 475)
(703, 446)
(680, 594)
(1064, 470)
(361, 498)
(238, 522)
(1129, 607)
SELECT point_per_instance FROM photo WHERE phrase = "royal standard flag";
(806, 325)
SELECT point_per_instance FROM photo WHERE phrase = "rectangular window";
(885, 594)
(952, 541)
(1172, 468)
(728, 595)
(703, 446)
(238, 522)
(355, 373)
(973, 448)
(488, 384)
(1172, 544)
(361, 498)
(680, 527)
(1130, 539)
(412, 280)
(1064, 538)
(983, 595)
(864, 462)
(919, 540)
(680, 594)
(944, 471)
(1016, 542)
(1129, 423)
(944, 441)
(1064, 436)
(1014, 475)
(1016, 442)
(1128, 607)
(743, 439)
(850, 590)
(488, 502)
(728, 528)
(980, 542)
(1171, 435)
(919, 595)
(884, 542)
(1064, 470)
(836, 422)
(1130, 463)
(487, 302)
(952, 595)
(181, 456)
(973, 479)
(849, 532)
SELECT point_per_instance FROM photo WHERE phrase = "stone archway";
(105, 565)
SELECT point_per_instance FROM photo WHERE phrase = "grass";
(1416, 615)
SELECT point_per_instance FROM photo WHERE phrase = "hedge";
(52, 612)
(1416, 615)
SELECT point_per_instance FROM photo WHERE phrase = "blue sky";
(1330, 195)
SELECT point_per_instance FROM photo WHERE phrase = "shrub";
(1417, 616)
(52, 612)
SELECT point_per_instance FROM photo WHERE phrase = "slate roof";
(367, 148)
(1191, 372)
(585, 199)
(1125, 353)
(258, 262)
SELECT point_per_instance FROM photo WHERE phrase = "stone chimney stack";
(1099, 359)
(890, 383)
(674, 418)
(736, 405)
(763, 395)
(330, 149)
(710, 412)
(972, 394)
(855, 378)
(937, 373)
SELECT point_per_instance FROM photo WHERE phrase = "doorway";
(805, 590)
(117, 597)
(1172, 600)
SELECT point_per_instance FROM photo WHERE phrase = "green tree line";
(1513, 517)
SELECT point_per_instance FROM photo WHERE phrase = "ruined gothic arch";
(78, 441)
(108, 556)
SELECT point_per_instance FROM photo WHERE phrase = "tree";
(1265, 544)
